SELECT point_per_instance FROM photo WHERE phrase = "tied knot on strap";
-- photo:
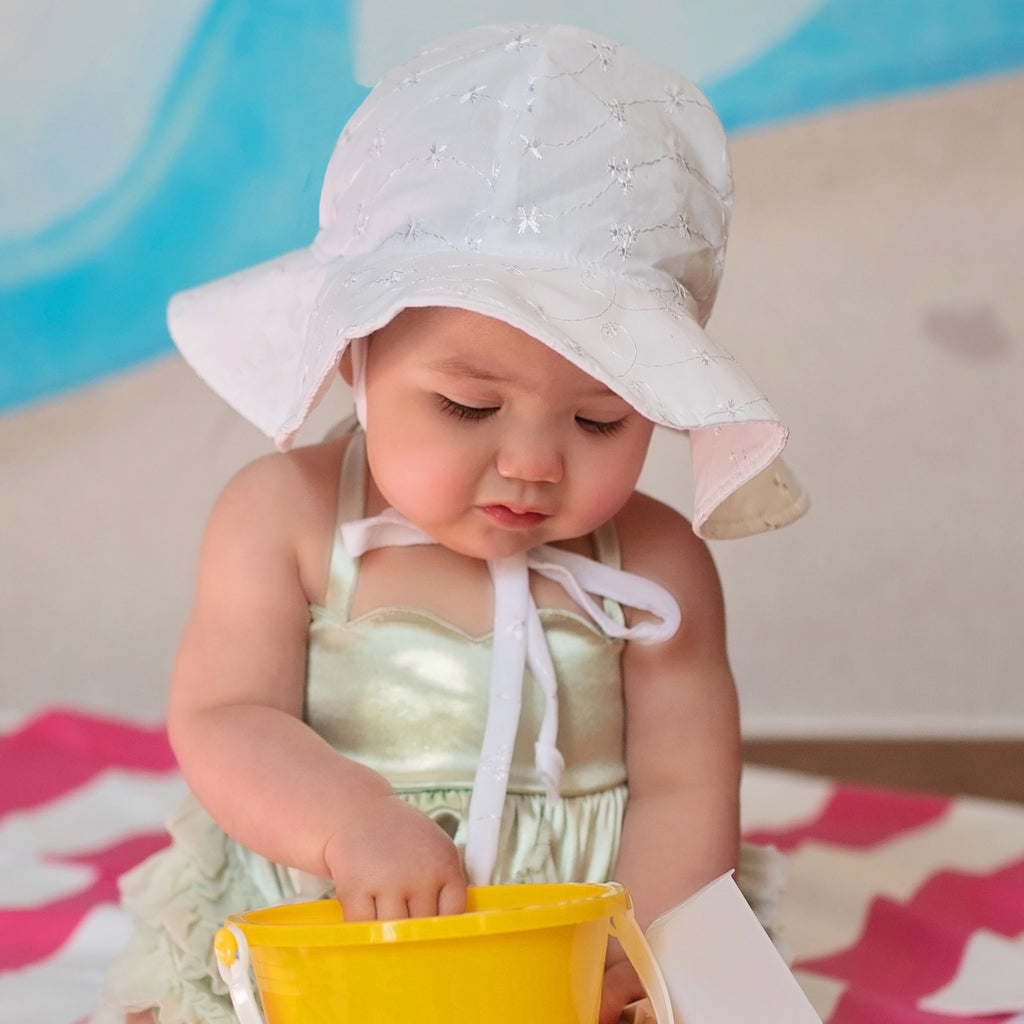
(519, 641)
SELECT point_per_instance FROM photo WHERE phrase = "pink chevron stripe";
(30, 934)
(862, 1006)
(994, 901)
(859, 818)
(907, 951)
(59, 751)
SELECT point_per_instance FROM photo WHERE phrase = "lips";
(520, 519)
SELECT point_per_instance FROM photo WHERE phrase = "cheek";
(418, 476)
(606, 496)
(612, 477)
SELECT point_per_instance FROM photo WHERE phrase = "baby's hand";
(394, 863)
(621, 987)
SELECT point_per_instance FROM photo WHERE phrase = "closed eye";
(466, 412)
(608, 429)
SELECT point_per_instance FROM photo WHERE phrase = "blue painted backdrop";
(102, 217)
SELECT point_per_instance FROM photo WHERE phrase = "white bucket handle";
(233, 963)
(232, 951)
(640, 955)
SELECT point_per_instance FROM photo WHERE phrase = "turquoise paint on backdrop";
(849, 52)
(231, 171)
(229, 175)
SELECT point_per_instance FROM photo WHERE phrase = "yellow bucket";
(520, 953)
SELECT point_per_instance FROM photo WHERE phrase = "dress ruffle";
(179, 897)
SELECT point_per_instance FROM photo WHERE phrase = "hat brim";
(269, 339)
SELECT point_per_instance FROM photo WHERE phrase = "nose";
(535, 459)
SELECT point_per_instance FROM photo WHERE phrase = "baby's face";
(488, 440)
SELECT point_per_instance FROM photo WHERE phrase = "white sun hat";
(542, 175)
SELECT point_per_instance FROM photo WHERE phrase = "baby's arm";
(235, 714)
(681, 828)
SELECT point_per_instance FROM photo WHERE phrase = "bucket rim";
(498, 909)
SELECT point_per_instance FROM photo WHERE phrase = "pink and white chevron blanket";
(900, 908)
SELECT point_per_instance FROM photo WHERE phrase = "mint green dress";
(406, 693)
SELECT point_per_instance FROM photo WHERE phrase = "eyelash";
(475, 414)
(604, 429)
(465, 412)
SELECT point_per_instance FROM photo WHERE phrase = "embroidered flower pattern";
(618, 111)
(621, 170)
(676, 97)
(604, 53)
(624, 238)
(528, 221)
(532, 146)
(531, 90)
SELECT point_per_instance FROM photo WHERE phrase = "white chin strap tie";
(358, 347)
(519, 640)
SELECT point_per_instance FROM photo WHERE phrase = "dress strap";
(607, 552)
(352, 478)
(519, 641)
(606, 545)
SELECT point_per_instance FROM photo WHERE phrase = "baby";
(452, 643)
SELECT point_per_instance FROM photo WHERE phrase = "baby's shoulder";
(283, 496)
(290, 478)
(658, 542)
(281, 507)
(645, 521)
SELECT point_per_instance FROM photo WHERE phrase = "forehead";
(465, 344)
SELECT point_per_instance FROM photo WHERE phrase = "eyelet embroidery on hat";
(473, 94)
(622, 171)
(624, 238)
(532, 146)
(519, 42)
(618, 111)
(529, 221)
(605, 52)
(676, 98)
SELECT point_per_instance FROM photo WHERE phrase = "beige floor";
(873, 288)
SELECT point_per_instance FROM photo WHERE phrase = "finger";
(357, 906)
(391, 907)
(423, 903)
(452, 898)
(621, 987)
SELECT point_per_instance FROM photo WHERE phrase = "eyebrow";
(459, 367)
